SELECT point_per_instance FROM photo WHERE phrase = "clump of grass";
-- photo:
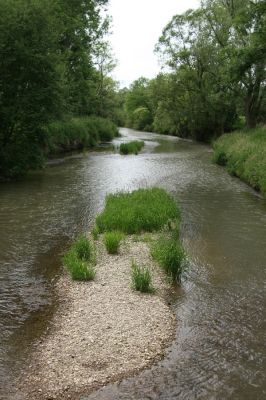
(170, 255)
(112, 241)
(131, 147)
(244, 155)
(79, 260)
(95, 232)
(143, 210)
(141, 278)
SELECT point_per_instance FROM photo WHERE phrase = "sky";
(137, 26)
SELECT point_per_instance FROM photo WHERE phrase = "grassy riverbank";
(244, 155)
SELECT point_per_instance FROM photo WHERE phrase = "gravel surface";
(103, 330)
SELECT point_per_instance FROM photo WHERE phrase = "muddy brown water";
(220, 346)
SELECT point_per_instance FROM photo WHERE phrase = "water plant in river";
(143, 210)
(131, 147)
(112, 241)
(80, 260)
(141, 278)
(170, 255)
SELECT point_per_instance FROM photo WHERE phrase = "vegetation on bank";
(80, 260)
(54, 80)
(216, 58)
(133, 147)
(244, 155)
(137, 212)
(79, 133)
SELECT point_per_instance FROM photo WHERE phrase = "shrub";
(141, 278)
(131, 147)
(170, 255)
(79, 260)
(143, 210)
(112, 241)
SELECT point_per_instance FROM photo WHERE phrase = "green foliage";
(141, 278)
(112, 241)
(79, 270)
(131, 147)
(244, 154)
(78, 133)
(170, 255)
(80, 260)
(95, 232)
(50, 67)
(143, 210)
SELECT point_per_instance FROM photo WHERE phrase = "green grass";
(170, 255)
(244, 155)
(112, 241)
(80, 260)
(143, 210)
(95, 232)
(131, 147)
(78, 133)
(141, 278)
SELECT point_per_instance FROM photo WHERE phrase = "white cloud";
(137, 25)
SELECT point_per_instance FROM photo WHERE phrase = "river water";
(220, 346)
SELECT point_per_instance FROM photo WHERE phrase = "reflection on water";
(219, 352)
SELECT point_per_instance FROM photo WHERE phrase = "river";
(220, 346)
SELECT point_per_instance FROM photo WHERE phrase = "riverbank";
(244, 155)
(103, 330)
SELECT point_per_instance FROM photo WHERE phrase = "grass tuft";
(143, 210)
(95, 232)
(112, 241)
(80, 260)
(170, 255)
(141, 278)
(131, 147)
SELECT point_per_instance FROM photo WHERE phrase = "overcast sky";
(137, 25)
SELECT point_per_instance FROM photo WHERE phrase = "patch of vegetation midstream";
(141, 278)
(139, 212)
(80, 260)
(133, 147)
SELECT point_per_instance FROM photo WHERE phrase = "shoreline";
(103, 330)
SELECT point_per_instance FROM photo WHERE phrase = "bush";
(79, 133)
(80, 259)
(170, 255)
(112, 241)
(143, 210)
(131, 147)
(141, 278)
(244, 155)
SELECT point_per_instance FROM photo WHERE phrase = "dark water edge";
(219, 350)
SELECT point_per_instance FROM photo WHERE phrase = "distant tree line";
(215, 79)
(54, 65)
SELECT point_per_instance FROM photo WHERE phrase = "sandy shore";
(102, 331)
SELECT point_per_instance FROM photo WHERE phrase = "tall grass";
(133, 147)
(80, 260)
(143, 210)
(244, 155)
(78, 133)
(112, 241)
(141, 278)
(170, 255)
